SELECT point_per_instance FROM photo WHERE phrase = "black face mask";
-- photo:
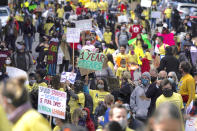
(153, 79)
(167, 92)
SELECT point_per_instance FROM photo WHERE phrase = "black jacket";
(100, 21)
(153, 93)
(169, 63)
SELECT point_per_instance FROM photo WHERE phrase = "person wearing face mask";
(22, 59)
(98, 94)
(187, 39)
(138, 102)
(118, 113)
(135, 29)
(169, 96)
(122, 37)
(32, 80)
(4, 54)
(160, 47)
(174, 80)
(186, 85)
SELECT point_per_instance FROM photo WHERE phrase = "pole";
(73, 57)
(50, 120)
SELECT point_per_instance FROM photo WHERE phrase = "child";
(146, 60)
(132, 60)
(121, 69)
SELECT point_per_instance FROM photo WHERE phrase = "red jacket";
(89, 122)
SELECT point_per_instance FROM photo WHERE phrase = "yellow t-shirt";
(74, 104)
(29, 88)
(5, 125)
(103, 6)
(146, 14)
(60, 12)
(132, 58)
(119, 72)
(36, 85)
(162, 49)
(107, 37)
(168, 13)
(132, 15)
(121, 56)
(56, 128)
(186, 86)
(92, 6)
(47, 27)
(108, 51)
(175, 99)
(111, 66)
(148, 56)
(97, 96)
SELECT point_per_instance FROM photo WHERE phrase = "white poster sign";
(73, 35)
(52, 102)
(155, 14)
(84, 25)
(68, 76)
(146, 3)
(190, 124)
(122, 18)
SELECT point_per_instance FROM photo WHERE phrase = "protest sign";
(84, 25)
(146, 3)
(73, 35)
(122, 18)
(52, 102)
(156, 14)
(69, 76)
(190, 124)
(91, 60)
(167, 38)
(99, 33)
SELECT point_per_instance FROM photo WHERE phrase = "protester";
(18, 108)
(186, 85)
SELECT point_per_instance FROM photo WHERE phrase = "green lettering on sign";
(91, 60)
(44, 108)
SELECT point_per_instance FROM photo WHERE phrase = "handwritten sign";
(68, 76)
(146, 3)
(156, 14)
(122, 18)
(190, 124)
(73, 35)
(52, 102)
(91, 60)
(84, 25)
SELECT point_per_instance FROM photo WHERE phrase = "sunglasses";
(170, 76)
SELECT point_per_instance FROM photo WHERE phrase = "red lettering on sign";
(82, 55)
(93, 57)
(102, 58)
(58, 104)
(46, 101)
(89, 54)
(58, 112)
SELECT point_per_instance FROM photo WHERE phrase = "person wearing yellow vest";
(168, 14)
(186, 85)
(118, 113)
(18, 108)
(5, 125)
(60, 12)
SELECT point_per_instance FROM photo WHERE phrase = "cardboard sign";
(52, 102)
(156, 14)
(84, 25)
(122, 18)
(146, 3)
(73, 35)
(68, 76)
(91, 60)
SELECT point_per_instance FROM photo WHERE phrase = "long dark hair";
(110, 58)
(105, 84)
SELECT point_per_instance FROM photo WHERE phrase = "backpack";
(88, 102)
(126, 34)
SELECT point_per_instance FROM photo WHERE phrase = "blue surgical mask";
(128, 115)
(145, 82)
(171, 80)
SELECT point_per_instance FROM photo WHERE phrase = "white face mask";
(19, 47)
(156, 42)
(7, 62)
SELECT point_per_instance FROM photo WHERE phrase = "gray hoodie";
(138, 103)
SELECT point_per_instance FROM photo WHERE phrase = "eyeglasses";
(170, 76)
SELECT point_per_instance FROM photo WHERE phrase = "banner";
(122, 18)
(156, 14)
(146, 3)
(91, 60)
(168, 38)
(68, 76)
(84, 25)
(73, 35)
(52, 102)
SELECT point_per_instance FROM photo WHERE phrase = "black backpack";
(88, 102)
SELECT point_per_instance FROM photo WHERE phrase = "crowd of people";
(149, 83)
